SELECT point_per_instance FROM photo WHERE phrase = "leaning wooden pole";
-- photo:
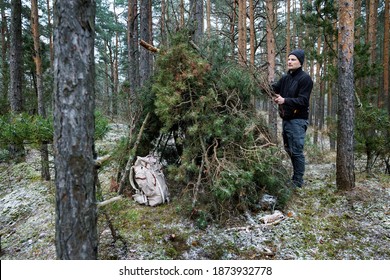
(133, 152)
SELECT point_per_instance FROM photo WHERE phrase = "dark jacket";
(295, 88)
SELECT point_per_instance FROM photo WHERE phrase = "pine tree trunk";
(4, 48)
(271, 55)
(208, 18)
(242, 31)
(76, 214)
(288, 30)
(16, 71)
(50, 28)
(16, 58)
(386, 60)
(345, 174)
(145, 35)
(45, 173)
(132, 41)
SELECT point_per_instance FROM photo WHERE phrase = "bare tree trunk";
(233, 26)
(76, 214)
(45, 173)
(288, 30)
(372, 32)
(163, 23)
(386, 60)
(16, 71)
(208, 18)
(252, 36)
(271, 48)
(50, 28)
(115, 69)
(132, 41)
(4, 61)
(197, 18)
(16, 58)
(345, 173)
(317, 99)
(181, 13)
(145, 35)
(242, 31)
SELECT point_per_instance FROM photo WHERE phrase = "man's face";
(293, 62)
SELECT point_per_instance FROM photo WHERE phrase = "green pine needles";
(222, 144)
(33, 129)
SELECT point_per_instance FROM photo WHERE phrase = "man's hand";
(279, 100)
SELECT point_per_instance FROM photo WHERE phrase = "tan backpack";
(148, 181)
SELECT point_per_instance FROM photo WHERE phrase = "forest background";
(197, 72)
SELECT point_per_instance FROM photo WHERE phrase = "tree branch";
(148, 46)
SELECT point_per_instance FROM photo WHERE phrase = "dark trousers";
(294, 132)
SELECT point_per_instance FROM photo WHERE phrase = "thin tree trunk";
(208, 17)
(271, 48)
(145, 35)
(242, 31)
(50, 28)
(132, 41)
(345, 174)
(163, 23)
(115, 68)
(4, 49)
(386, 60)
(252, 36)
(233, 26)
(181, 13)
(45, 172)
(288, 30)
(76, 212)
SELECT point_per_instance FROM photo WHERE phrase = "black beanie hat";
(300, 54)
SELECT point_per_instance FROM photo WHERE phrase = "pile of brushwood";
(203, 124)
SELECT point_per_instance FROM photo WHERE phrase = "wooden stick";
(108, 201)
(132, 155)
(100, 160)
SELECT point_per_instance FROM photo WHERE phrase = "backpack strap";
(131, 178)
(161, 191)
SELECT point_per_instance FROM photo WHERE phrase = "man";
(292, 95)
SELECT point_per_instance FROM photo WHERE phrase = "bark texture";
(76, 215)
(345, 175)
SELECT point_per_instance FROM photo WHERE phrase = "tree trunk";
(16, 71)
(242, 31)
(132, 41)
(208, 18)
(45, 173)
(181, 13)
(4, 61)
(252, 36)
(145, 67)
(386, 61)
(115, 69)
(372, 32)
(288, 30)
(50, 28)
(197, 25)
(76, 214)
(271, 47)
(345, 174)
(164, 37)
(232, 24)
(16, 58)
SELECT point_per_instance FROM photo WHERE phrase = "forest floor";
(321, 223)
